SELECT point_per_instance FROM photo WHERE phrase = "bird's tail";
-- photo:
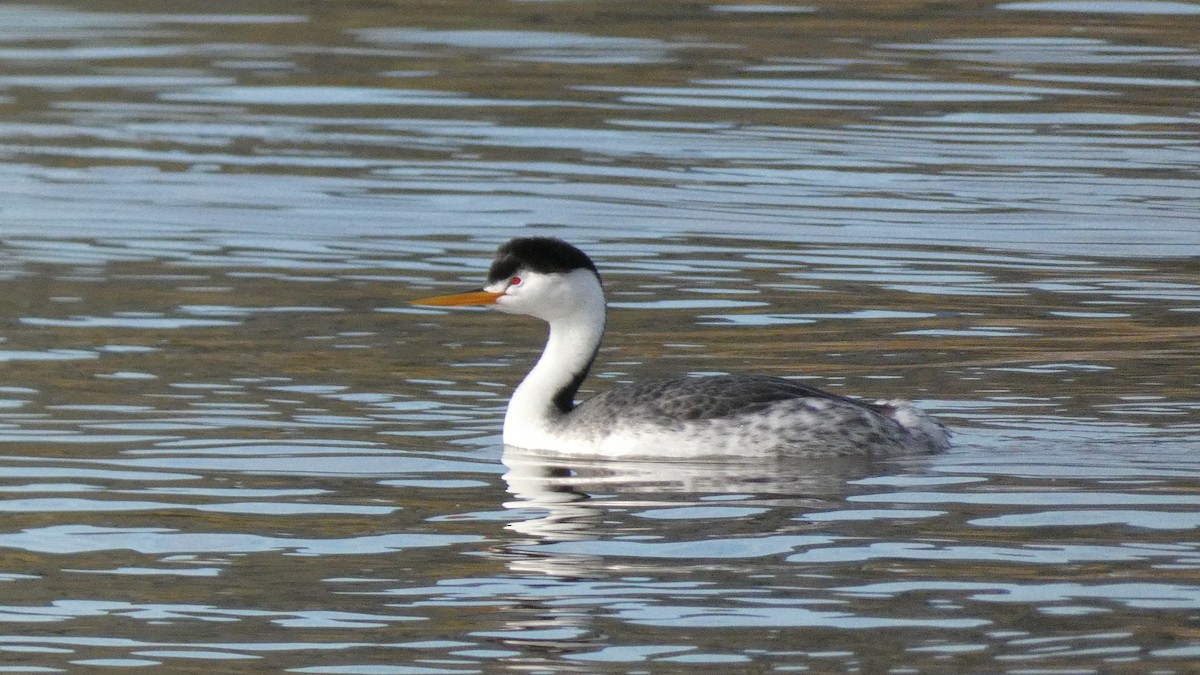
(919, 423)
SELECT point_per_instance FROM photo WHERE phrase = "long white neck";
(547, 393)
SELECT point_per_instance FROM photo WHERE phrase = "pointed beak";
(479, 297)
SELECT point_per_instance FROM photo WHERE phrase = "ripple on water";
(311, 460)
(47, 355)
(65, 610)
(535, 46)
(63, 505)
(782, 93)
(1051, 51)
(133, 321)
(1150, 7)
(71, 539)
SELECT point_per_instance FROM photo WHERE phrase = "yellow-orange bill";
(459, 299)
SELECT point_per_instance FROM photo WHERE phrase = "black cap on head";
(545, 255)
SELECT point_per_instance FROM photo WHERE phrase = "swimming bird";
(734, 416)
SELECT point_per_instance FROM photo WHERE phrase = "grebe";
(729, 416)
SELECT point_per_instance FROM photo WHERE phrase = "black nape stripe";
(564, 399)
(545, 255)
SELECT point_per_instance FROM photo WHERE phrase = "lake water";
(229, 444)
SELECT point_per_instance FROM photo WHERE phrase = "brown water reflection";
(229, 443)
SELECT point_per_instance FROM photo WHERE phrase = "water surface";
(229, 443)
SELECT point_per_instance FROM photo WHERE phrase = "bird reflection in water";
(569, 498)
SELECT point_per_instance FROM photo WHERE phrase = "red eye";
(514, 281)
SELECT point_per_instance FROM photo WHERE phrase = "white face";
(546, 296)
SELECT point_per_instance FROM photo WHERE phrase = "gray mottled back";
(700, 398)
(755, 415)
